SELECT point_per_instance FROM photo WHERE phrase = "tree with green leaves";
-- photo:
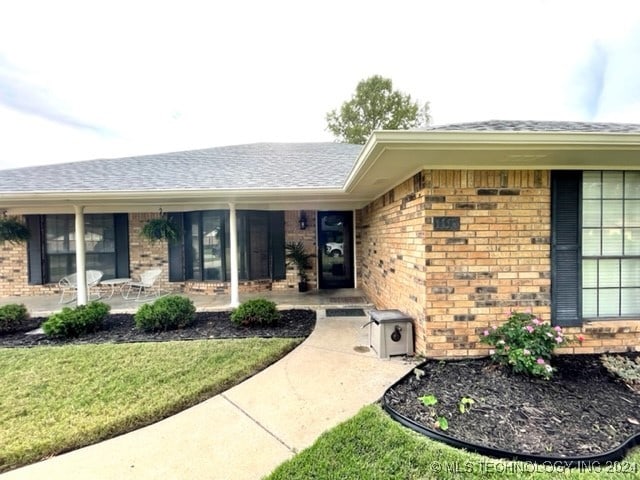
(376, 106)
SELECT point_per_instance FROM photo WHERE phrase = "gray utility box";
(390, 333)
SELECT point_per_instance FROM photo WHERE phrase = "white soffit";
(390, 157)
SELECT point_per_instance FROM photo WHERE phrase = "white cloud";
(160, 76)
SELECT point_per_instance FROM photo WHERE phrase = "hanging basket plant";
(12, 230)
(160, 229)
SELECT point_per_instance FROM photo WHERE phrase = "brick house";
(456, 225)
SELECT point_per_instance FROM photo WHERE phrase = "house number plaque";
(446, 224)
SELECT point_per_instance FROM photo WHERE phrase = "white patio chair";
(69, 285)
(144, 288)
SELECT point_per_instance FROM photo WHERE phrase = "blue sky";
(84, 80)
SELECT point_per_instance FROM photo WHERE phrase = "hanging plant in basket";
(160, 229)
(12, 230)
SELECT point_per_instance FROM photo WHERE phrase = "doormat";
(345, 312)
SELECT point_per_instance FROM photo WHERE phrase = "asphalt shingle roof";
(252, 166)
(256, 166)
(539, 126)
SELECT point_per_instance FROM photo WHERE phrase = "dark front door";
(335, 249)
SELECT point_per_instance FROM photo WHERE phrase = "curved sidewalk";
(247, 431)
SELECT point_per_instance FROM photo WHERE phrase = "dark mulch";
(582, 411)
(119, 328)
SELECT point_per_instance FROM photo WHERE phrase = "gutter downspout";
(81, 267)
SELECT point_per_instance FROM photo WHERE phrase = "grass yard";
(371, 446)
(54, 399)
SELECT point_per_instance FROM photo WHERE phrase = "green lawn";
(53, 399)
(371, 446)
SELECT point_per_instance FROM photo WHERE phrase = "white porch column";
(81, 266)
(233, 251)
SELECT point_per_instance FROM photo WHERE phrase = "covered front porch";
(42, 305)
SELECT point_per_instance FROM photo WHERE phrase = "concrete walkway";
(250, 429)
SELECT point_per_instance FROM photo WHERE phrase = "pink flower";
(581, 338)
(535, 321)
(557, 328)
(526, 352)
(529, 328)
(540, 361)
(485, 333)
(493, 327)
(559, 339)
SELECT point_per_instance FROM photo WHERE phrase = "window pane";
(194, 244)
(60, 265)
(632, 241)
(608, 273)
(590, 273)
(632, 213)
(631, 273)
(632, 185)
(590, 242)
(612, 185)
(612, 241)
(105, 262)
(589, 303)
(612, 213)
(630, 301)
(591, 215)
(58, 234)
(99, 233)
(609, 302)
(591, 187)
(212, 233)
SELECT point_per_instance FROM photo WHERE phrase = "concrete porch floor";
(42, 305)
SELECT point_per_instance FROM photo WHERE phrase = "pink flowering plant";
(526, 343)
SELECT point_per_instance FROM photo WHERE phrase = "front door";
(335, 249)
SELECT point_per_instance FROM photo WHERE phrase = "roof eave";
(391, 156)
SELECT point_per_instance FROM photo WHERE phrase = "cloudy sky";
(88, 79)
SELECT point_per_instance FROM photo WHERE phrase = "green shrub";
(166, 313)
(73, 322)
(525, 343)
(12, 317)
(256, 312)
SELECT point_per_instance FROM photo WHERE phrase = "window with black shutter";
(595, 256)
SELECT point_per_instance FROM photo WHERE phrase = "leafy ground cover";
(371, 446)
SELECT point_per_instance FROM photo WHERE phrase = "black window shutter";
(278, 261)
(176, 250)
(35, 250)
(565, 248)
(121, 226)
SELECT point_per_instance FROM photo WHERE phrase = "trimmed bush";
(255, 312)
(73, 322)
(12, 318)
(166, 313)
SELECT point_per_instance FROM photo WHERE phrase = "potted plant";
(298, 256)
(160, 228)
(12, 230)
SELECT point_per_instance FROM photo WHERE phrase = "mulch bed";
(582, 411)
(120, 328)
